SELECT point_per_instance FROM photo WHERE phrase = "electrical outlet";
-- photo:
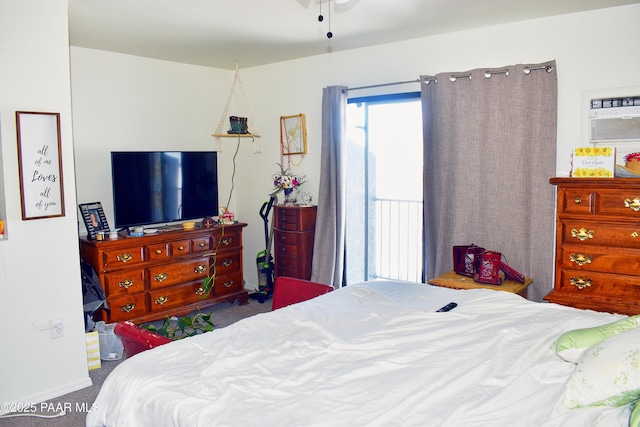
(57, 328)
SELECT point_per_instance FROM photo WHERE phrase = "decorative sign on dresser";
(294, 232)
(598, 244)
(161, 274)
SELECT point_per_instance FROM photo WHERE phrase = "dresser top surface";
(598, 182)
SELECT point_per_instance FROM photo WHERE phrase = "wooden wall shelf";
(236, 135)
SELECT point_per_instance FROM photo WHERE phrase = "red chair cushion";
(289, 291)
(136, 339)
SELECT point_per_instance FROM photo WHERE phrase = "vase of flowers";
(290, 196)
(288, 182)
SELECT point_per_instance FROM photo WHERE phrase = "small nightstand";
(456, 281)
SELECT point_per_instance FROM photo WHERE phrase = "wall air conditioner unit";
(614, 120)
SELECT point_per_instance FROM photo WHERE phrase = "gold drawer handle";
(228, 284)
(128, 307)
(580, 259)
(635, 234)
(124, 257)
(181, 248)
(633, 204)
(162, 300)
(580, 282)
(160, 277)
(577, 200)
(127, 283)
(202, 244)
(200, 291)
(200, 269)
(227, 262)
(582, 234)
(226, 242)
(158, 251)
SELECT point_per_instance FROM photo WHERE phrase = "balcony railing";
(396, 249)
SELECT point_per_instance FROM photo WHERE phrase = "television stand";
(147, 278)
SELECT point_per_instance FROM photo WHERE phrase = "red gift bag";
(488, 268)
(465, 259)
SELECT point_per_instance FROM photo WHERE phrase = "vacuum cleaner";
(264, 260)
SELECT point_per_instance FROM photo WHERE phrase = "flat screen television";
(153, 187)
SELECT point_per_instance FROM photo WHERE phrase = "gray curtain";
(490, 149)
(329, 243)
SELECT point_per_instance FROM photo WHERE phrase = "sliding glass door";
(384, 180)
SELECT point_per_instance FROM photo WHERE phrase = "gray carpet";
(223, 315)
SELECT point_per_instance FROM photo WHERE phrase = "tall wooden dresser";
(162, 274)
(598, 244)
(294, 232)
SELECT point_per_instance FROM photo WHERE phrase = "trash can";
(111, 347)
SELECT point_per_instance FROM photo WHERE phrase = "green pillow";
(607, 374)
(572, 344)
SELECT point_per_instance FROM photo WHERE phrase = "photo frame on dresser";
(94, 218)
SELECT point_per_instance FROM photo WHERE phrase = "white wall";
(593, 50)
(39, 263)
(124, 102)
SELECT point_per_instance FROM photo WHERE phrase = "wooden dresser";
(598, 244)
(156, 275)
(294, 231)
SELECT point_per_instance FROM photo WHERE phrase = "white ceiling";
(219, 33)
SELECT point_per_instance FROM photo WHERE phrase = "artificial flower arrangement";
(286, 180)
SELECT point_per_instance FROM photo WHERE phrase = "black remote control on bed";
(447, 307)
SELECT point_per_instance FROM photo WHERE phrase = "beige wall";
(39, 263)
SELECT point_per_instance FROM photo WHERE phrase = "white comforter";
(373, 354)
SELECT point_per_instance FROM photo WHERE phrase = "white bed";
(375, 353)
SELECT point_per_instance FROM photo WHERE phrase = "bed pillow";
(571, 344)
(634, 421)
(607, 374)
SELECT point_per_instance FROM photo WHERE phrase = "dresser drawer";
(127, 306)
(171, 274)
(284, 224)
(124, 282)
(227, 284)
(575, 201)
(288, 262)
(227, 263)
(616, 234)
(175, 296)
(120, 258)
(588, 283)
(288, 238)
(622, 203)
(604, 259)
(230, 240)
(281, 249)
(201, 245)
(287, 272)
(157, 252)
(180, 248)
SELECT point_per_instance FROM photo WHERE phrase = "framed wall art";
(94, 218)
(40, 164)
(293, 135)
